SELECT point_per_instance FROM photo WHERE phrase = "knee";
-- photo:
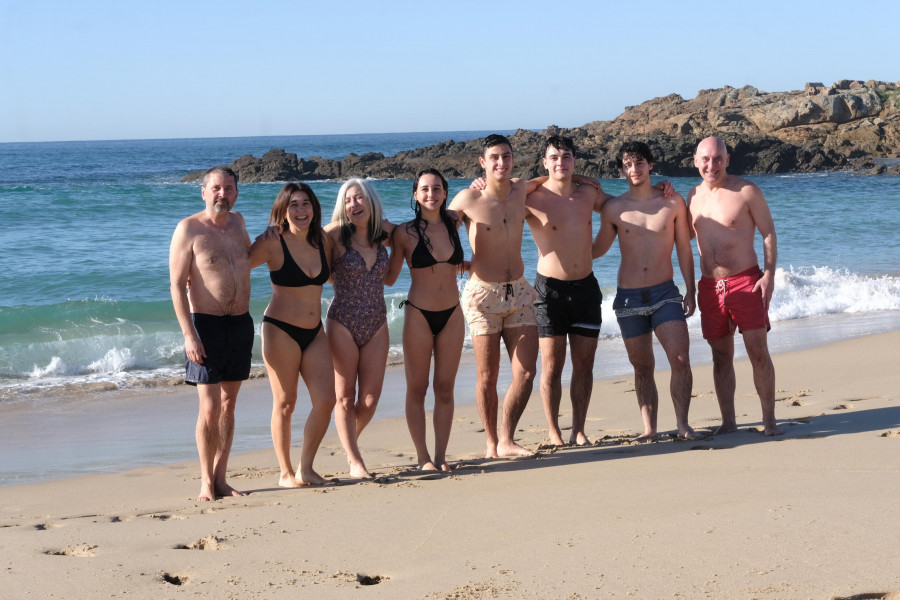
(680, 362)
(443, 391)
(525, 375)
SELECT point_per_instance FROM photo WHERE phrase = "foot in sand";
(556, 438)
(427, 466)
(773, 430)
(688, 434)
(359, 471)
(725, 428)
(224, 490)
(288, 480)
(445, 467)
(206, 493)
(579, 439)
(507, 449)
(311, 478)
(646, 436)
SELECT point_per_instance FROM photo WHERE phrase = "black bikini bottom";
(437, 319)
(304, 337)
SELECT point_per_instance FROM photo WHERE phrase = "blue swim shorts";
(641, 310)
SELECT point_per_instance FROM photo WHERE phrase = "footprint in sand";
(81, 551)
(210, 542)
(173, 579)
(163, 517)
(845, 406)
(46, 526)
(891, 434)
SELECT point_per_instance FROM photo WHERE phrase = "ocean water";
(85, 230)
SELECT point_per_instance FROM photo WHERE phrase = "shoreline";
(732, 516)
(112, 431)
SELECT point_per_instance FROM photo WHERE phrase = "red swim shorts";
(727, 302)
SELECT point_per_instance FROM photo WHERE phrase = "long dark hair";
(278, 216)
(416, 223)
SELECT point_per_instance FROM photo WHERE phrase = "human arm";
(762, 217)
(181, 257)
(398, 254)
(685, 255)
(605, 237)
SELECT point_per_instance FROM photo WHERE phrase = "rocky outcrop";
(815, 129)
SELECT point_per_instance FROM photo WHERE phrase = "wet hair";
(637, 148)
(376, 233)
(495, 139)
(278, 216)
(220, 171)
(560, 143)
(416, 223)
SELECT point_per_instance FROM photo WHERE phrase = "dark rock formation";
(815, 129)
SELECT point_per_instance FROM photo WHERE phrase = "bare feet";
(223, 490)
(428, 466)
(646, 436)
(288, 480)
(772, 430)
(556, 437)
(311, 478)
(206, 493)
(725, 428)
(445, 467)
(688, 434)
(506, 449)
(491, 451)
(579, 439)
(359, 471)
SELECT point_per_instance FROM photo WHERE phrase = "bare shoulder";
(464, 199)
(332, 227)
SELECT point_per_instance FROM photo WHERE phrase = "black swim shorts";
(228, 341)
(564, 307)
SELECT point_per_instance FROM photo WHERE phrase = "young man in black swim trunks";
(209, 269)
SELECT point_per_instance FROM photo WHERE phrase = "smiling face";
(219, 192)
(430, 193)
(497, 162)
(356, 207)
(559, 162)
(299, 212)
(636, 169)
(711, 160)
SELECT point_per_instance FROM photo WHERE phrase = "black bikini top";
(422, 257)
(291, 275)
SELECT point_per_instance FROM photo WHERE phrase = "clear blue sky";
(86, 70)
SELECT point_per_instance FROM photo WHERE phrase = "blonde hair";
(375, 232)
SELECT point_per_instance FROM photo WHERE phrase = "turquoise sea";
(85, 229)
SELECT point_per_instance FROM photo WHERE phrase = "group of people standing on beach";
(343, 364)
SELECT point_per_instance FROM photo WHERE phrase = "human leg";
(372, 363)
(724, 380)
(447, 350)
(418, 345)
(487, 365)
(673, 337)
(583, 350)
(345, 357)
(553, 358)
(207, 435)
(522, 346)
(756, 343)
(228, 398)
(640, 354)
(316, 369)
(282, 357)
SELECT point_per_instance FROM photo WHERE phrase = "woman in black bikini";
(293, 340)
(433, 321)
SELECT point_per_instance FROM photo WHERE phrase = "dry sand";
(812, 514)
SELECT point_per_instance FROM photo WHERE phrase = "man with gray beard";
(209, 271)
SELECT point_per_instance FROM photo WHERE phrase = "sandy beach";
(811, 514)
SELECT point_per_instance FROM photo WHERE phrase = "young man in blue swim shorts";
(648, 226)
